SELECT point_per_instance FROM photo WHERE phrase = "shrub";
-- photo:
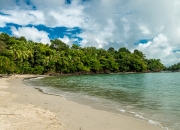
(38, 70)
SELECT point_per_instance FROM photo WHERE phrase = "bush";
(28, 70)
(6, 65)
(38, 70)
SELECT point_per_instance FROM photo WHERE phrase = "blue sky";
(53, 33)
(152, 29)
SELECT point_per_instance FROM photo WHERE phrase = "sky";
(150, 26)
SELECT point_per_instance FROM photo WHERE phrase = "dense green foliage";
(175, 67)
(17, 55)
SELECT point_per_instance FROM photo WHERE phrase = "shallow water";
(154, 97)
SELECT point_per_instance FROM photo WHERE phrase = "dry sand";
(23, 116)
(25, 108)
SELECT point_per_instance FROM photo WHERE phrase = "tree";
(123, 59)
(95, 65)
(111, 50)
(17, 55)
(2, 47)
(75, 46)
(137, 64)
(6, 65)
(22, 38)
(58, 45)
(4, 37)
(155, 65)
(140, 54)
(123, 49)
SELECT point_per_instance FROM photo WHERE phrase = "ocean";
(152, 97)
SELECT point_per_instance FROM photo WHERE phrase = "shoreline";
(81, 73)
(71, 115)
(112, 110)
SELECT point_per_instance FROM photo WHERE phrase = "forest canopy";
(21, 56)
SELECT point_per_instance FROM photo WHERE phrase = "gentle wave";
(122, 110)
(47, 90)
(153, 98)
(143, 118)
(36, 78)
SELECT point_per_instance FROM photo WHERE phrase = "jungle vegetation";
(175, 67)
(21, 56)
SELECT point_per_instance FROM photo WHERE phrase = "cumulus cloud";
(144, 29)
(134, 20)
(105, 23)
(31, 34)
(8, 4)
(49, 13)
(67, 40)
(22, 17)
(158, 48)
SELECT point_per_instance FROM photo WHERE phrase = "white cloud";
(48, 4)
(31, 34)
(49, 13)
(144, 29)
(107, 23)
(22, 17)
(66, 40)
(7, 4)
(2, 24)
(159, 48)
(134, 20)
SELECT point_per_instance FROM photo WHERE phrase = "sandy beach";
(25, 108)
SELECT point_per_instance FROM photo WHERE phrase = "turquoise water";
(153, 97)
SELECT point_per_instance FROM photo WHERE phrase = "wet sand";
(25, 108)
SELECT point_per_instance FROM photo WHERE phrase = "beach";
(25, 108)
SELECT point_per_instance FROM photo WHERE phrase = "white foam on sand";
(144, 118)
(36, 78)
(151, 121)
(122, 110)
